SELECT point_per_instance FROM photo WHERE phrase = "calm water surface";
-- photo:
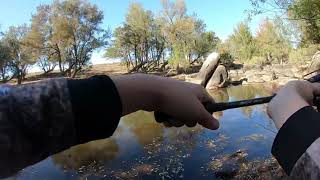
(141, 148)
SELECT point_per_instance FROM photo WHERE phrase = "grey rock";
(208, 68)
(315, 62)
(218, 79)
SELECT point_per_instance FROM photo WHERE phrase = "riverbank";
(277, 74)
(273, 75)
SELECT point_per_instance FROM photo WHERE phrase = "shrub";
(302, 55)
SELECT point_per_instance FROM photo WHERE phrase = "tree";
(142, 34)
(223, 48)
(139, 42)
(301, 55)
(242, 45)
(39, 39)
(173, 37)
(306, 13)
(271, 43)
(67, 32)
(275, 7)
(204, 42)
(5, 70)
(19, 53)
(179, 30)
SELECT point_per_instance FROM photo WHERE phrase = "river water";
(142, 149)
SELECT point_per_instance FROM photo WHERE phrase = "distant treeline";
(146, 41)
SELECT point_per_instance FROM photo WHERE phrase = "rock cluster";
(212, 75)
(279, 74)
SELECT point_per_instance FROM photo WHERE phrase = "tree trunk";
(60, 66)
(75, 73)
(136, 68)
(19, 79)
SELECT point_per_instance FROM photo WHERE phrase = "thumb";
(207, 120)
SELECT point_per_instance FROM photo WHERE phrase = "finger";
(167, 124)
(191, 110)
(173, 122)
(204, 96)
(191, 123)
(176, 123)
(160, 117)
(206, 119)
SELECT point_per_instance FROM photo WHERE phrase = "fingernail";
(213, 124)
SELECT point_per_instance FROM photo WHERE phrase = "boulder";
(235, 74)
(315, 62)
(218, 78)
(255, 78)
(267, 78)
(208, 68)
(250, 73)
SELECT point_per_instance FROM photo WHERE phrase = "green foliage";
(205, 42)
(307, 12)
(5, 69)
(19, 53)
(303, 54)
(39, 39)
(241, 43)
(186, 35)
(225, 55)
(173, 36)
(257, 60)
(139, 41)
(177, 59)
(66, 32)
(271, 43)
(179, 30)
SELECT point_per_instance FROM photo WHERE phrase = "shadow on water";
(141, 148)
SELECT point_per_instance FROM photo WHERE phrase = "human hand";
(180, 100)
(292, 97)
(183, 104)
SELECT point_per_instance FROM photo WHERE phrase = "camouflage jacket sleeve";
(297, 145)
(43, 118)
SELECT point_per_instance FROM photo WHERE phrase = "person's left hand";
(292, 97)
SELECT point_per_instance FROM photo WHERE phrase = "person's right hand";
(180, 100)
(292, 97)
(184, 103)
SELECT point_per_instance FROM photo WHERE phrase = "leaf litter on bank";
(236, 166)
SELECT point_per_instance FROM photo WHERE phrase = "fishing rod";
(215, 107)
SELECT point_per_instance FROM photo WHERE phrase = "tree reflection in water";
(85, 154)
(143, 126)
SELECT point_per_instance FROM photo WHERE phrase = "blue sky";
(221, 16)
